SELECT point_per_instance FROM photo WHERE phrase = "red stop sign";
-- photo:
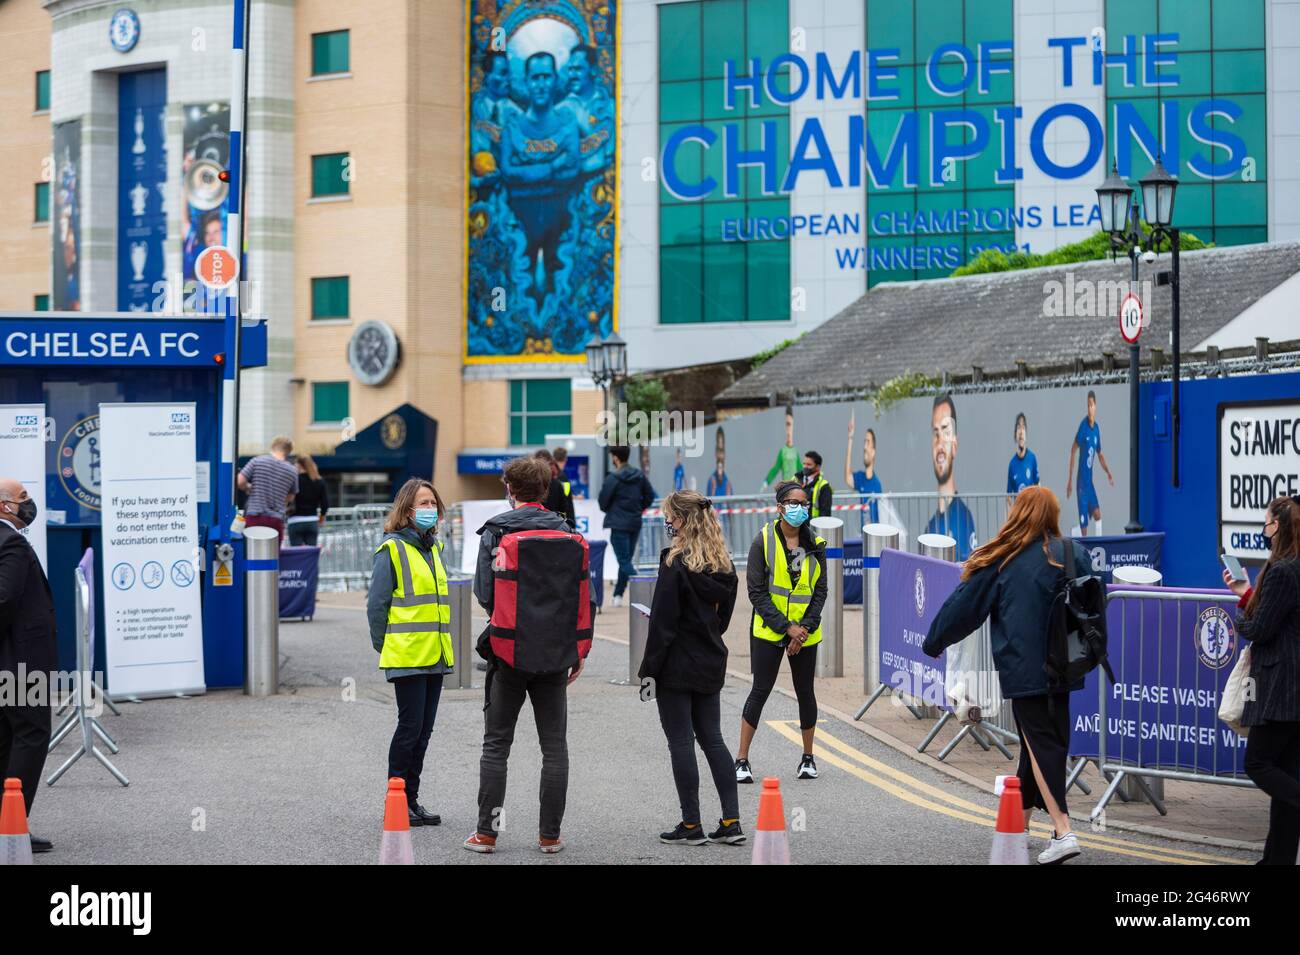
(217, 267)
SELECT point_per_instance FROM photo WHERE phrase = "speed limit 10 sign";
(1130, 318)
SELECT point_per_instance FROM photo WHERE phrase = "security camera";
(1149, 256)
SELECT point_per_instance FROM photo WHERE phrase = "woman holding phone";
(1270, 620)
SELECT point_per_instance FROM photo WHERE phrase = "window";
(330, 174)
(42, 202)
(538, 407)
(41, 303)
(329, 297)
(329, 52)
(329, 401)
(42, 89)
(702, 277)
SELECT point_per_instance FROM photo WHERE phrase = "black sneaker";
(732, 835)
(416, 811)
(682, 836)
(743, 773)
(807, 768)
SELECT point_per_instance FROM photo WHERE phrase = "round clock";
(124, 30)
(373, 353)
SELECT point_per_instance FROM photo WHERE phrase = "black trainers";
(681, 836)
(732, 835)
(807, 767)
(426, 818)
(743, 773)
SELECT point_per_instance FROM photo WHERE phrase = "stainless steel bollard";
(939, 546)
(460, 597)
(875, 538)
(1132, 574)
(640, 590)
(830, 656)
(262, 580)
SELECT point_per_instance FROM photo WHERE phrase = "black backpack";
(1076, 629)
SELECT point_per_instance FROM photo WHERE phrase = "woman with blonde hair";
(410, 626)
(1011, 581)
(685, 661)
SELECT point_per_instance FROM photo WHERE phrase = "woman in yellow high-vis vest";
(786, 580)
(410, 626)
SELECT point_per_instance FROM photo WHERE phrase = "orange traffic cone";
(771, 847)
(15, 842)
(395, 845)
(1010, 841)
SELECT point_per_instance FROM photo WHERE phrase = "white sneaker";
(1058, 850)
(616, 602)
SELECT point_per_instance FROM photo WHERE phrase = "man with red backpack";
(532, 579)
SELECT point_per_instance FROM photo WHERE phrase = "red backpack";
(541, 611)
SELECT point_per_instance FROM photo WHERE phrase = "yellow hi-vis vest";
(815, 494)
(568, 488)
(419, 619)
(790, 598)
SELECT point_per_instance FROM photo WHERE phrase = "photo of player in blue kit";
(953, 517)
(1087, 445)
(865, 481)
(1022, 472)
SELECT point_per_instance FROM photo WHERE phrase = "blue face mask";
(426, 518)
(796, 514)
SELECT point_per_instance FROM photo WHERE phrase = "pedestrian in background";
(410, 626)
(559, 497)
(786, 580)
(310, 504)
(1011, 581)
(1270, 620)
(27, 642)
(270, 481)
(625, 494)
(686, 661)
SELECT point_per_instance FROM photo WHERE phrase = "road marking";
(893, 781)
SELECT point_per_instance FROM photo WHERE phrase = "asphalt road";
(300, 778)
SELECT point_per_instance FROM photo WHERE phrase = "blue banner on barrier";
(299, 567)
(1123, 550)
(912, 589)
(853, 572)
(1172, 660)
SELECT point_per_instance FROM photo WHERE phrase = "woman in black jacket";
(685, 661)
(310, 505)
(1012, 581)
(1270, 620)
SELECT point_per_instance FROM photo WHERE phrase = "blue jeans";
(624, 544)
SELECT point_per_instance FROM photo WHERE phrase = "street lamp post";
(1158, 191)
(607, 365)
(1119, 219)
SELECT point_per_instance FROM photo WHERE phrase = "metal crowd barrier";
(1153, 650)
(351, 536)
(742, 516)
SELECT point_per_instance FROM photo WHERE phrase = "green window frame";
(42, 90)
(41, 201)
(703, 278)
(331, 52)
(538, 407)
(329, 174)
(41, 303)
(329, 402)
(330, 297)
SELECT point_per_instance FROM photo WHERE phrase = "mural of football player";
(1087, 446)
(788, 464)
(539, 159)
(719, 485)
(953, 517)
(1022, 471)
(491, 110)
(591, 108)
(865, 481)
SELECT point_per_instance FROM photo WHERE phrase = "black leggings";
(765, 663)
(1272, 761)
(688, 718)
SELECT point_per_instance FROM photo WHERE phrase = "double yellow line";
(908, 788)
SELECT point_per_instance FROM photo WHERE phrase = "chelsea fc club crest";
(124, 30)
(1214, 637)
(918, 592)
(78, 462)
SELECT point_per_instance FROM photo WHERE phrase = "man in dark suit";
(27, 646)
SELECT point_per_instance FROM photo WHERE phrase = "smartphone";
(1233, 566)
